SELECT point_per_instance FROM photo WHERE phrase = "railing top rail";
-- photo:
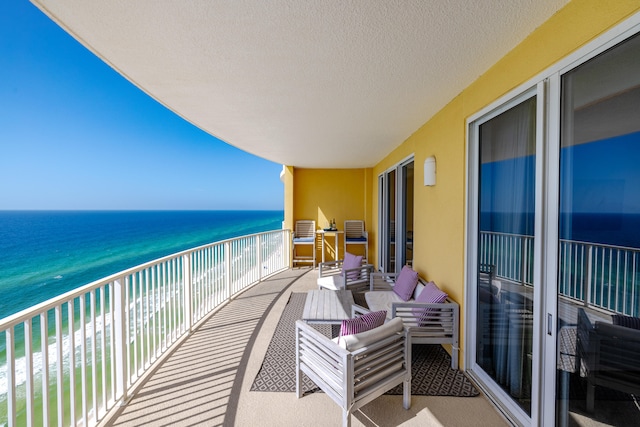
(499, 233)
(602, 245)
(32, 311)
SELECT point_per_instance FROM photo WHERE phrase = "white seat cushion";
(381, 300)
(332, 283)
(418, 291)
(363, 339)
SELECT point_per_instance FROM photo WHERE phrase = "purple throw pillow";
(351, 261)
(366, 322)
(406, 283)
(430, 294)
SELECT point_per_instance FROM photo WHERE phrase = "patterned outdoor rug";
(431, 365)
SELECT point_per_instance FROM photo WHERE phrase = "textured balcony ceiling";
(308, 83)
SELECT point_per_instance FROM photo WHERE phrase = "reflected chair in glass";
(609, 355)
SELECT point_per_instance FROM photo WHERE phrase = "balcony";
(197, 326)
(207, 379)
(184, 364)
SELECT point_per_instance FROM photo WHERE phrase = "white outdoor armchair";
(332, 276)
(371, 363)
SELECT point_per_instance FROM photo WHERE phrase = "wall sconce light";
(430, 171)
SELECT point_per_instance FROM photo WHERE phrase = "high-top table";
(325, 306)
(336, 240)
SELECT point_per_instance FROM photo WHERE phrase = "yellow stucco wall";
(439, 238)
(326, 194)
(439, 211)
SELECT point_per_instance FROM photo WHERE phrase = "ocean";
(47, 253)
(44, 254)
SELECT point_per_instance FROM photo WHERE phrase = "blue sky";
(74, 134)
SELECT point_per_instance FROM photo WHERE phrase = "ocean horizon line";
(141, 210)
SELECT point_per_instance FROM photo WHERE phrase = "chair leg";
(406, 393)
(454, 357)
(346, 418)
(298, 383)
(406, 387)
(298, 370)
(591, 396)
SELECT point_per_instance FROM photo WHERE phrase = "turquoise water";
(46, 253)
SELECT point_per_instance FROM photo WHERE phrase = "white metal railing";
(67, 361)
(510, 254)
(603, 276)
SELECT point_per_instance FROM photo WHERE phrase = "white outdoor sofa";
(440, 324)
(361, 368)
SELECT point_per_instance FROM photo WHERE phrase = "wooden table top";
(324, 306)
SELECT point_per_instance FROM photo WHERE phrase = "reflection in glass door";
(396, 217)
(598, 364)
(407, 214)
(390, 208)
(504, 285)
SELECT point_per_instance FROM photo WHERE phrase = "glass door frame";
(502, 400)
(383, 220)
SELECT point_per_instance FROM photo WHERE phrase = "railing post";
(523, 259)
(188, 303)
(44, 340)
(589, 275)
(286, 244)
(119, 328)
(259, 257)
(227, 267)
(28, 359)
(11, 379)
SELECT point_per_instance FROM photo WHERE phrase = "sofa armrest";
(423, 314)
(440, 325)
(382, 281)
(330, 268)
(358, 277)
(358, 310)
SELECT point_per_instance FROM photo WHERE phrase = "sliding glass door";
(598, 366)
(395, 192)
(506, 210)
(406, 211)
(390, 222)
(553, 243)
